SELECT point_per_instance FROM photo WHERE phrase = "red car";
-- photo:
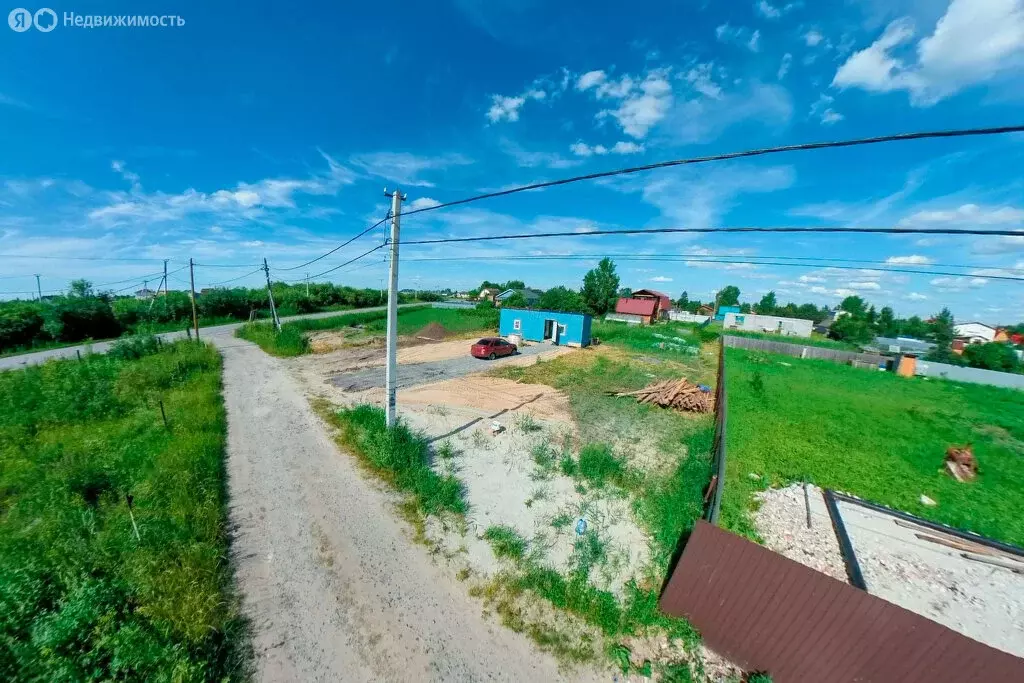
(493, 347)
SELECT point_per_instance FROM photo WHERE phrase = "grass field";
(293, 340)
(875, 435)
(81, 597)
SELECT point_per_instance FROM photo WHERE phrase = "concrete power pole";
(391, 372)
(270, 296)
(39, 287)
(192, 294)
(307, 285)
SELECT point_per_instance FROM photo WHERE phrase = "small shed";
(553, 327)
(664, 304)
(722, 310)
(645, 308)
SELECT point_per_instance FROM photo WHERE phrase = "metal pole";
(307, 285)
(39, 288)
(192, 294)
(165, 278)
(270, 296)
(391, 372)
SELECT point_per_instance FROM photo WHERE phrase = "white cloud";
(999, 245)
(769, 11)
(811, 278)
(423, 203)
(404, 168)
(582, 149)
(968, 214)
(913, 260)
(661, 278)
(957, 284)
(247, 200)
(973, 42)
(739, 35)
(813, 38)
(642, 106)
(590, 79)
(699, 118)
(626, 147)
(532, 159)
(872, 286)
(916, 296)
(823, 111)
(787, 60)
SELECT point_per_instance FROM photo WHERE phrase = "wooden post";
(192, 290)
(164, 415)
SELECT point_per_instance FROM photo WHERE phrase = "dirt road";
(414, 374)
(334, 586)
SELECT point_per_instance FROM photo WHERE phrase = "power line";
(899, 137)
(667, 259)
(331, 270)
(704, 255)
(235, 279)
(225, 265)
(657, 231)
(340, 246)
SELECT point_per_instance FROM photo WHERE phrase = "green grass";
(667, 503)
(648, 338)
(506, 542)
(80, 597)
(400, 456)
(292, 339)
(815, 340)
(876, 435)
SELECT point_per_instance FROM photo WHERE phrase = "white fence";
(686, 317)
(927, 368)
(751, 322)
(627, 318)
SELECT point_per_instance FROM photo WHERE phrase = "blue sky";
(272, 132)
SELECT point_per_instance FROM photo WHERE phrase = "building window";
(517, 324)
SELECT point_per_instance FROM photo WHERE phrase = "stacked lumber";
(675, 393)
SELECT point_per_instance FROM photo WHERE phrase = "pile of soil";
(433, 332)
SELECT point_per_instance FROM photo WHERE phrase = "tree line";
(82, 313)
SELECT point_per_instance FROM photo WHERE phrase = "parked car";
(493, 347)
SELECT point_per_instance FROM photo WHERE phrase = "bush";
(72, 319)
(402, 456)
(20, 324)
(135, 347)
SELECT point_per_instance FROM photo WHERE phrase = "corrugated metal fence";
(713, 497)
(956, 373)
(766, 612)
(803, 351)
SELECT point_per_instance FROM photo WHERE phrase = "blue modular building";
(563, 329)
(722, 310)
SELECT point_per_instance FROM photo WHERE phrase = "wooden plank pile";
(675, 393)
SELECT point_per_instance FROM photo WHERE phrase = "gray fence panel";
(956, 373)
(803, 351)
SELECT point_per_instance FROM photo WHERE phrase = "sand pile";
(433, 332)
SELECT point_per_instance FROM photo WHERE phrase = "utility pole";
(39, 287)
(192, 294)
(391, 372)
(165, 280)
(270, 295)
(307, 285)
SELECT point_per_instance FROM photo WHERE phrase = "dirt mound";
(433, 332)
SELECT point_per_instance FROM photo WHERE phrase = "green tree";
(601, 287)
(942, 330)
(683, 301)
(852, 328)
(854, 305)
(729, 296)
(768, 304)
(625, 292)
(513, 284)
(80, 287)
(992, 356)
(517, 300)
(887, 323)
(562, 299)
(913, 327)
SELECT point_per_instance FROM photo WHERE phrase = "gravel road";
(414, 374)
(214, 333)
(335, 588)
